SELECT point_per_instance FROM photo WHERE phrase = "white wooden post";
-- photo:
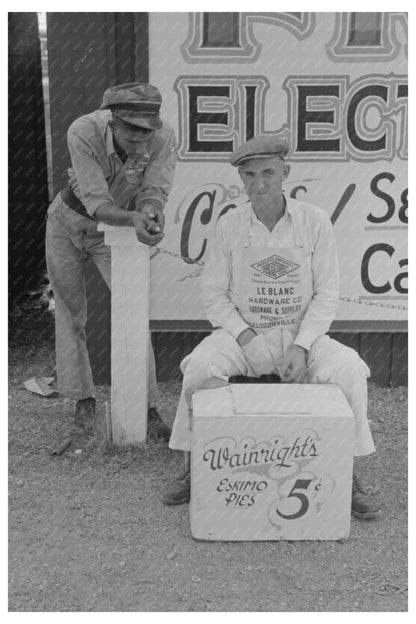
(130, 282)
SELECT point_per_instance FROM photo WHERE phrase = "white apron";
(276, 283)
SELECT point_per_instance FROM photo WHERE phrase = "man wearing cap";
(123, 160)
(270, 290)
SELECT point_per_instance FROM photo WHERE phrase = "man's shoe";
(363, 506)
(156, 425)
(85, 414)
(179, 491)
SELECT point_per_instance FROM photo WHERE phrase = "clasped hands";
(149, 223)
(272, 351)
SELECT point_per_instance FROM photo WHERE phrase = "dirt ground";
(87, 530)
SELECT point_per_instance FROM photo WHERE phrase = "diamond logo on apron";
(275, 266)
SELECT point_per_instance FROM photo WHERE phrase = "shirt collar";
(288, 211)
(109, 142)
(289, 205)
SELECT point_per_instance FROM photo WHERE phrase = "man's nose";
(258, 184)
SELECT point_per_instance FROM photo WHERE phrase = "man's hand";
(155, 213)
(294, 364)
(258, 355)
(142, 223)
(144, 227)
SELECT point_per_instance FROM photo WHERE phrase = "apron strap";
(245, 234)
(300, 227)
(301, 231)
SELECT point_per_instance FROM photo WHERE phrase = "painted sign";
(334, 86)
(261, 472)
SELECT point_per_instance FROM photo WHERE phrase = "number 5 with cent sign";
(299, 496)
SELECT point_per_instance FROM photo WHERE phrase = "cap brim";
(244, 159)
(151, 123)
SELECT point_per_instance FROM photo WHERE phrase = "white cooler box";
(271, 462)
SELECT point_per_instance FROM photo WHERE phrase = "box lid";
(291, 400)
(271, 400)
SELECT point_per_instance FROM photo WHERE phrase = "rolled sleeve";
(92, 185)
(325, 273)
(159, 173)
(215, 286)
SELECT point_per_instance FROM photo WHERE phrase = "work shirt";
(221, 275)
(99, 176)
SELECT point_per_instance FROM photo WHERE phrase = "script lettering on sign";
(279, 464)
(277, 458)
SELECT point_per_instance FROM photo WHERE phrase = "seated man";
(270, 290)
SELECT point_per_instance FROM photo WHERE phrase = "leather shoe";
(85, 414)
(179, 491)
(363, 505)
(156, 425)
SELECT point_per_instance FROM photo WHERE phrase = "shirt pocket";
(135, 169)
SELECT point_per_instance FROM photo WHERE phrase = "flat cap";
(259, 147)
(137, 103)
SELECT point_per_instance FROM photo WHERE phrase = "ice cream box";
(271, 462)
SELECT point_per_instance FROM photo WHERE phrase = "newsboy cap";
(137, 103)
(259, 147)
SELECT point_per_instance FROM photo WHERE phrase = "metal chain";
(373, 303)
(174, 255)
(159, 250)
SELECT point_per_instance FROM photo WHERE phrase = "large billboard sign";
(334, 86)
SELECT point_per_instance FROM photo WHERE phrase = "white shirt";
(220, 278)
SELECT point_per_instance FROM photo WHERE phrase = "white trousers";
(220, 356)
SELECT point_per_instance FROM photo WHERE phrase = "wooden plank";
(88, 52)
(170, 348)
(349, 340)
(386, 357)
(347, 327)
(124, 51)
(168, 354)
(376, 351)
(28, 183)
(141, 46)
(400, 364)
(360, 327)
(188, 344)
(130, 283)
(198, 337)
(80, 69)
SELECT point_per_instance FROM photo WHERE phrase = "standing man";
(280, 247)
(123, 161)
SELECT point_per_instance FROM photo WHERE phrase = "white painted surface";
(282, 473)
(130, 280)
(365, 189)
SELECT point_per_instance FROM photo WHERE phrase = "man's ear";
(240, 170)
(112, 125)
(286, 171)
